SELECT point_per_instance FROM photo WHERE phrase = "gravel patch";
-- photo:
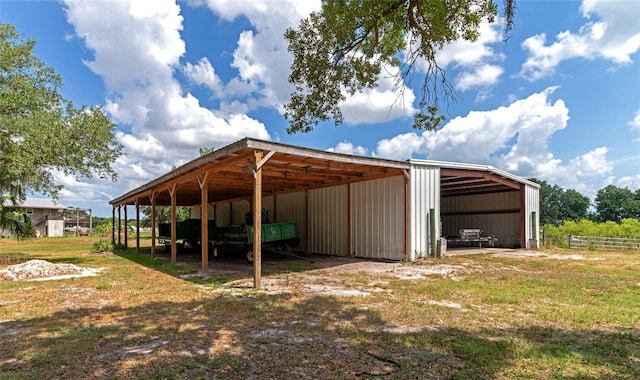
(41, 270)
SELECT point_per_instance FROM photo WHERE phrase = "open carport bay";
(344, 205)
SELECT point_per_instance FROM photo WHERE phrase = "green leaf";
(41, 131)
(341, 50)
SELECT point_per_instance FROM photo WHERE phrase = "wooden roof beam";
(479, 174)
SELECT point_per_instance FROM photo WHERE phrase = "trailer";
(471, 236)
(187, 233)
(278, 238)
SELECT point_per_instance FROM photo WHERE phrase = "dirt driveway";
(324, 274)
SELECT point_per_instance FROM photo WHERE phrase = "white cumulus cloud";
(514, 138)
(611, 32)
(635, 123)
(137, 47)
(476, 63)
(262, 63)
(203, 73)
(481, 76)
(348, 148)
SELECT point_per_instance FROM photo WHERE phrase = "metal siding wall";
(424, 194)
(222, 214)
(267, 202)
(194, 212)
(378, 219)
(290, 208)
(211, 214)
(504, 226)
(532, 204)
(328, 218)
(239, 209)
(482, 202)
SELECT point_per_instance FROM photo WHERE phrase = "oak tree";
(41, 131)
(342, 49)
(616, 203)
(558, 205)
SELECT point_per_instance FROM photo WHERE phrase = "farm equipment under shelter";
(187, 233)
(278, 238)
(471, 236)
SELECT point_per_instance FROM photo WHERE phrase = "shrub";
(630, 227)
(559, 235)
(103, 245)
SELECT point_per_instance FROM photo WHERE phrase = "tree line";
(611, 203)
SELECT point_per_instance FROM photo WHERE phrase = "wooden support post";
(257, 222)
(126, 227)
(350, 251)
(137, 203)
(533, 241)
(306, 222)
(204, 221)
(153, 224)
(534, 230)
(274, 216)
(113, 225)
(174, 246)
(119, 226)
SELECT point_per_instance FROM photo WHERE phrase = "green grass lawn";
(489, 318)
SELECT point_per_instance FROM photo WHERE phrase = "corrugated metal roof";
(42, 203)
(461, 178)
(474, 167)
(286, 168)
(289, 168)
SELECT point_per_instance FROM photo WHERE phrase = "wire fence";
(600, 242)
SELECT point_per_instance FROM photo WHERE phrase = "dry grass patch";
(480, 316)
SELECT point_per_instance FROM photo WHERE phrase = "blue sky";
(559, 100)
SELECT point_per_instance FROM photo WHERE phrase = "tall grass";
(559, 235)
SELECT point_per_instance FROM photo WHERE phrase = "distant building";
(47, 216)
(50, 218)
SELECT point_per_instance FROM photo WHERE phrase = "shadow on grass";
(280, 336)
(231, 268)
(77, 260)
(13, 258)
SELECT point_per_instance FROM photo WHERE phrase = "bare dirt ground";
(326, 279)
(328, 268)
